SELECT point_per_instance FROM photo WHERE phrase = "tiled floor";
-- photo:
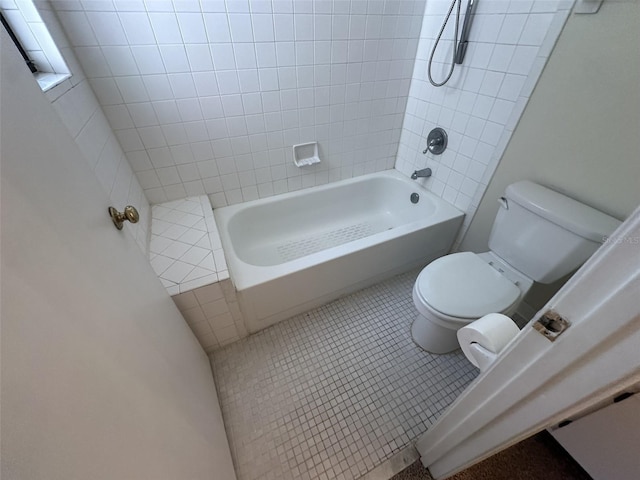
(333, 393)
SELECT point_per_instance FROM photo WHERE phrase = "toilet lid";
(463, 285)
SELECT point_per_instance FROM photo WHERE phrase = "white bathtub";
(292, 252)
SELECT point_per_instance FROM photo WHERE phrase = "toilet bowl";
(457, 289)
(538, 235)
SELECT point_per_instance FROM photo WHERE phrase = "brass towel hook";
(130, 213)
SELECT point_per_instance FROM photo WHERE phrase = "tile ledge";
(207, 217)
(48, 80)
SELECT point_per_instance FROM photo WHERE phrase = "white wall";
(481, 104)
(101, 377)
(209, 97)
(605, 442)
(78, 108)
(579, 133)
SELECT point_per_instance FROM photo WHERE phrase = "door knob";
(130, 213)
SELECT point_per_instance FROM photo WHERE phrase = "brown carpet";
(537, 458)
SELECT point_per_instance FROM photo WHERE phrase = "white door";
(536, 383)
(101, 377)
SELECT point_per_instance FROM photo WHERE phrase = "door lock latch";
(551, 324)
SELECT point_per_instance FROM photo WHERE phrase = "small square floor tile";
(336, 391)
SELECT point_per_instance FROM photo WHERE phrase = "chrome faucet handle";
(436, 141)
(432, 143)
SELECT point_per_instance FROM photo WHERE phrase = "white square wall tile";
(228, 82)
(501, 58)
(185, 301)
(511, 87)
(303, 27)
(194, 314)
(77, 28)
(148, 59)
(93, 62)
(174, 58)
(148, 179)
(536, 29)
(189, 109)
(215, 308)
(221, 321)
(217, 27)
(227, 335)
(199, 57)
(512, 29)
(195, 255)
(197, 277)
(283, 27)
(182, 85)
(107, 28)
(523, 60)
(132, 89)
(188, 172)
(241, 28)
(223, 57)
(137, 28)
(208, 294)
(168, 175)
(152, 137)
(192, 27)
(157, 87)
(269, 79)
(106, 91)
(248, 80)
(160, 263)
(142, 114)
(266, 55)
(165, 27)
(263, 30)
(201, 329)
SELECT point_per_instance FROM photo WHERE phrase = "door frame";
(536, 383)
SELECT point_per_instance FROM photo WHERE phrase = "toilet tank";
(545, 234)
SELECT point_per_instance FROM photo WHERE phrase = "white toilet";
(539, 235)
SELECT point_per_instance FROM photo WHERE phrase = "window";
(32, 38)
(30, 64)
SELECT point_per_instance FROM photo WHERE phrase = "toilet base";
(432, 337)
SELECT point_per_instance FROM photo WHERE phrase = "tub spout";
(425, 172)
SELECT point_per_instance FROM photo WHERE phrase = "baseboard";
(393, 465)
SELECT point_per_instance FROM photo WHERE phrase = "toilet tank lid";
(576, 217)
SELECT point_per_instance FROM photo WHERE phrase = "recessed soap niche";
(305, 154)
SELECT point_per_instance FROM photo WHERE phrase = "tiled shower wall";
(80, 112)
(209, 96)
(340, 76)
(213, 314)
(480, 106)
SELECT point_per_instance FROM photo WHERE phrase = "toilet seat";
(464, 286)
